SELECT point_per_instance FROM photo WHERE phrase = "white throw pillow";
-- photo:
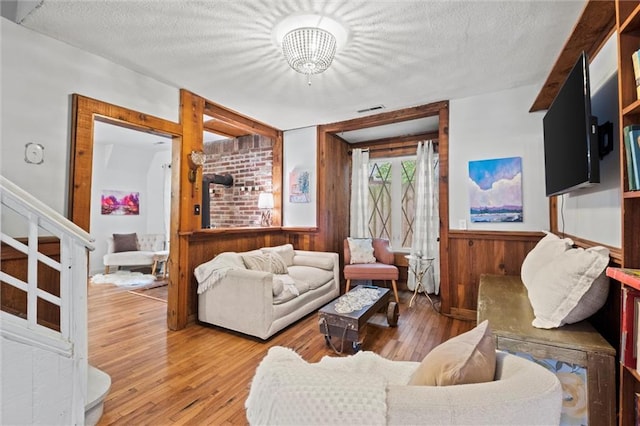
(547, 249)
(361, 250)
(570, 288)
(285, 251)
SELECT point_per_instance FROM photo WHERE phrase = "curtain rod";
(387, 148)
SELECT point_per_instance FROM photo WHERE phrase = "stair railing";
(71, 339)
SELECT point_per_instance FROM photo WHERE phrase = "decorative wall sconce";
(196, 159)
(265, 202)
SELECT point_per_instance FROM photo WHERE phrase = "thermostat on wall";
(34, 153)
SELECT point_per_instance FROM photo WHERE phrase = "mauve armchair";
(383, 269)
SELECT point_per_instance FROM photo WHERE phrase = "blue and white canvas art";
(495, 190)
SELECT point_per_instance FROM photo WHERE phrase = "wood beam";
(223, 129)
(406, 114)
(237, 120)
(596, 24)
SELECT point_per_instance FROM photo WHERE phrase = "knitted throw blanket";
(286, 390)
(211, 272)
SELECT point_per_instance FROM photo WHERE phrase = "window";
(391, 199)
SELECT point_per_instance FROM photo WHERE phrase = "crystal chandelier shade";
(309, 50)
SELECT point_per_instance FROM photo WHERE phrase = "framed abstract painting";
(495, 190)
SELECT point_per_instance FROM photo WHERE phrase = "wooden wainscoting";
(14, 263)
(472, 253)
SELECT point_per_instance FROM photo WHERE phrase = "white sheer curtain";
(359, 193)
(427, 221)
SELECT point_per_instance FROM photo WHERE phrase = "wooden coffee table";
(351, 326)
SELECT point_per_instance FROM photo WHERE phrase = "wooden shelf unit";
(628, 29)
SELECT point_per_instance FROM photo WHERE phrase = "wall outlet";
(462, 224)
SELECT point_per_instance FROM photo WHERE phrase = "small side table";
(160, 256)
(419, 266)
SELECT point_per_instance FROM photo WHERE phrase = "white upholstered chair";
(150, 251)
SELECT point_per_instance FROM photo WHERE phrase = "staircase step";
(98, 385)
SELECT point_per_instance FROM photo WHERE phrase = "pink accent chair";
(383, 269)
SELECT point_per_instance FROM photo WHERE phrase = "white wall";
(38, 76)
(300, 152)
(497, 125)
(594, 213)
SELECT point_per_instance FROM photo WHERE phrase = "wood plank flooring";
(201, 375)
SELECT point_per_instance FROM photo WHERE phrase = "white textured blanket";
(209, 273)
(286, 390)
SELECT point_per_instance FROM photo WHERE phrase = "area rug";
(160, 292)
(124, 278)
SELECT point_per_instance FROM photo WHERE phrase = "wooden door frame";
(83, 114)
(441, 110)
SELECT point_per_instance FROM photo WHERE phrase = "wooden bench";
(502, 299)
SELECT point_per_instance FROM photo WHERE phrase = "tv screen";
(570, 135)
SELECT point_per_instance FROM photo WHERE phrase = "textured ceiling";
(399, 53)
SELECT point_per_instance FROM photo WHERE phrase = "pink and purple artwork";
(120, 203)
(495, 190)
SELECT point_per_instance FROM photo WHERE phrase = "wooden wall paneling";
(631, 246)
(443, 196)
(334, 177)
(15, 263)
(180, 303)
(277, 179)
(483, 252)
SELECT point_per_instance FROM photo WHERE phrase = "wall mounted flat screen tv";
(571, 135)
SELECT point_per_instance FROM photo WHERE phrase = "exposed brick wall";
(249, 159)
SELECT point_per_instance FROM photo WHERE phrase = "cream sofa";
(260, 302)
(366, 388)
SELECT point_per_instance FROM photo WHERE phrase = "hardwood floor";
(201, 375)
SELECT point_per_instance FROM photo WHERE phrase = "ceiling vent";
(373, 108)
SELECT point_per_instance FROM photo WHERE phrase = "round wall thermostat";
(34, 153)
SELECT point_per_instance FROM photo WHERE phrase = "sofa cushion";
(125, 242)
(371, 271)
(313, 261)
(285, 251)
(570, 288)
(267, 262)
(277, 285)
(284, 297)
(464, 359)
(314, 277)
(361, 250)
(547, 249)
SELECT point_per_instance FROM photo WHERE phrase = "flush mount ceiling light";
(309, 50)
(309, 42)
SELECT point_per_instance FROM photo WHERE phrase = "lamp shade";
(265, 200)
